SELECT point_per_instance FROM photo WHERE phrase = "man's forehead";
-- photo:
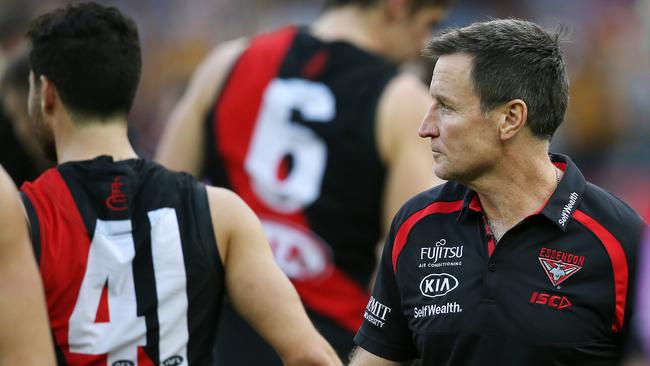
(451, 70)
(452, 66)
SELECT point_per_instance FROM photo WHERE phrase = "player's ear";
(49, 95)
(397, 9)
(512, 118)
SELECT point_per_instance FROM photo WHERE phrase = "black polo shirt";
(554, 291)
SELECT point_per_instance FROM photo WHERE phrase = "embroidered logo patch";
(558, 271)
(117, 201)
(552, 301)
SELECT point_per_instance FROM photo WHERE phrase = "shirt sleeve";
(384, 330)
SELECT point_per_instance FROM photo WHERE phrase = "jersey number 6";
(286, 159)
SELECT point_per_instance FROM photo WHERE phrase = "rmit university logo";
(560, 265)
(438, 284)
(376, 312)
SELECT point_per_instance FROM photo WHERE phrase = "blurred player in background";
(316, 129)
(24, 153)
(135, 259)
(24, 336)
(20, 157)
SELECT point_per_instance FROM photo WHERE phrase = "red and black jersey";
(129, 263)
(293, 132)
(556, 290)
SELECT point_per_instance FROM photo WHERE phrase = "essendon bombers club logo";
(560, 265)
(117, 201)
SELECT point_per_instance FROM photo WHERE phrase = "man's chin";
(441, 173)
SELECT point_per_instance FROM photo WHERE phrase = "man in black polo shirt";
(517, 260)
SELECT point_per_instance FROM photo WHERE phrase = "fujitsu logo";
(440, 251)
(117, 201)
(566, 210)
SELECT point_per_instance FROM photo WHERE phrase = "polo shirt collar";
(567, 195)
(560, 206)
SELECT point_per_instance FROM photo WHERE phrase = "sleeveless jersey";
(293, 132)
(129, 263)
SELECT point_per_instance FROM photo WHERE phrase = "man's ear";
(513, 118)
(49, 95)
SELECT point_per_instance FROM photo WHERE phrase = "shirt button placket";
(490, 280)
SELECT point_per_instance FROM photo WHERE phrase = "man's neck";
(360, 27)
(91, 139)
(515, 189)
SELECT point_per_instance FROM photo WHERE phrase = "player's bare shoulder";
(9, 202)
(212, 72)
(230, 215)
(401, 108)
(224, 202)
(209, 77)
(181, 143)
(5, 185)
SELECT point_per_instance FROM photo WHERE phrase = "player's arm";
(407, 156)
(181, 145)
(259, 291)
(24, 330)
(361, 357)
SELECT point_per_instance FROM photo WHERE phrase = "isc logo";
(438, 284)
(554, 301)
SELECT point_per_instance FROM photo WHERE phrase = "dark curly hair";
(513, 59)
(91, 53)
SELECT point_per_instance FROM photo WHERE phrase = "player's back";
(293, 132)
(129, 263)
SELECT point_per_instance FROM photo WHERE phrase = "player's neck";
(360, 27)
(92, 139)
(517, 187)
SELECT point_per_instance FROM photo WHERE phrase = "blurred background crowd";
(607, 130)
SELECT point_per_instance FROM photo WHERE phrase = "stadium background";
(607, 131)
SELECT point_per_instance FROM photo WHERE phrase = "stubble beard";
(43, 134)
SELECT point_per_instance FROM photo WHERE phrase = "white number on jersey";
(110, 260)
(277, 137)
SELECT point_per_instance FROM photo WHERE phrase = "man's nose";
(428, 126)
